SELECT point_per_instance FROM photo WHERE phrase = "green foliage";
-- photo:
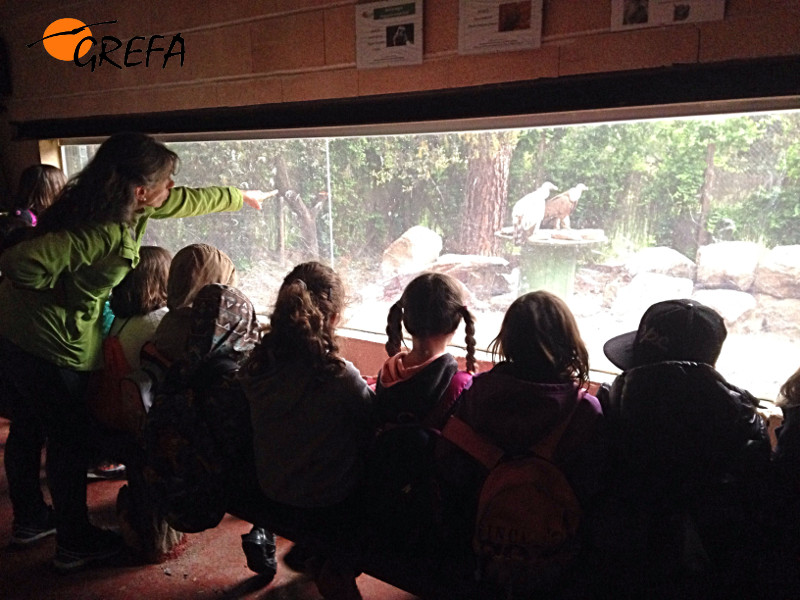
(645, 182)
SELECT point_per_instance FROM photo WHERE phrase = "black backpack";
(403, 491)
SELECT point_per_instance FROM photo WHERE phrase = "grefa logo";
(71, 40)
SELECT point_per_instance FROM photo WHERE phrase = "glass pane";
(636, 212)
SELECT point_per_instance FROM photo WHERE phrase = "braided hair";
(432, 304)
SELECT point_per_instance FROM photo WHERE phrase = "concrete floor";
(210, 565)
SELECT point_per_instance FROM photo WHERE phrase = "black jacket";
(688, 470)
(676, 427)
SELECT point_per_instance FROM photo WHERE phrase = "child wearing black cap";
(688, 454)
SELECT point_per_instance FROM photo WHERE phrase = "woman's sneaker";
(27, 533)
(98, 544)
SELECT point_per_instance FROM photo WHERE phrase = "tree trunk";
(306, 216)
(702, 236)
(281, 230)
(486, 190)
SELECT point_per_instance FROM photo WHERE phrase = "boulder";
(729, 265)
(645, 290)
(663, 260)
(778, 315)
(733, 305)
(412, 252)
(778, 272)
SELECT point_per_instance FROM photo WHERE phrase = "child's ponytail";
(469, 329)
(302, 324)
(394, 329)
(790, 391)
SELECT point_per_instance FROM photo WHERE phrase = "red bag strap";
(547, 445)
(465, 437)
(488, 454)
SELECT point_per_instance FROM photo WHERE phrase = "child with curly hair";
(311, 417)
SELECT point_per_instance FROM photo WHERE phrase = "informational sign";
(499, 25)
(388, 33)
(633, 14)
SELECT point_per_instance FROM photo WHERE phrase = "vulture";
(528, 212)
(560, 207)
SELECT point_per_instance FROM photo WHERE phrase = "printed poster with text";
(634, 14)
(388, 34)
(499, 26)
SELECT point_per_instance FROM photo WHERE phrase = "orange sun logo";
(63, 35)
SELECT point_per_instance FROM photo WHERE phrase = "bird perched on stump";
(558, 208)
(528, 212)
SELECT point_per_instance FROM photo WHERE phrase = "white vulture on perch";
(560, 207)
(528, 212)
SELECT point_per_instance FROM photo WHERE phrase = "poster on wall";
(499, 25)
(634, 14)
(388, 33)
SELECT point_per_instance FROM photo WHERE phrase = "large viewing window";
(692, 207)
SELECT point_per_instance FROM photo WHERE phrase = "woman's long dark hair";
(103, 192)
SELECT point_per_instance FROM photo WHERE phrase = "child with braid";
(411, 382)
(415, 393)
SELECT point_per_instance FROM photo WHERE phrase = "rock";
(778, 272)
(663, 260)
(483, 275)
(412, 252)
(778, 315)
(646, 289)
(729, 265)
(733, 305)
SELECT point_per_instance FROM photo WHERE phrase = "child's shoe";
(26, 533)
(98, 544)
(259, 548)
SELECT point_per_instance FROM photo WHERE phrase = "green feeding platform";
(548, 259)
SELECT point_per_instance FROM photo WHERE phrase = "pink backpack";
(528, 513)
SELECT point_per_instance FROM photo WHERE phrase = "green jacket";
(55, 285)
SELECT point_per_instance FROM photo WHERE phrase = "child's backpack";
(104, 397)
(139, 388)
(186, 466)
(404, 500)
(528, 514)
